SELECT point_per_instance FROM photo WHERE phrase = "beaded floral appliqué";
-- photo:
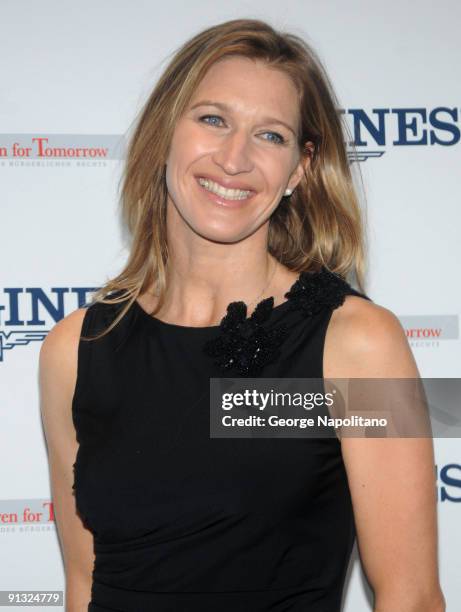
(245, 345)
(314, 291)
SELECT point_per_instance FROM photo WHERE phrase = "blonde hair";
(319, 224)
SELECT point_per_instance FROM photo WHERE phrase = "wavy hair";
(319, 224)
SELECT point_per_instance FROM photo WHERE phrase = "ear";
(302, 166)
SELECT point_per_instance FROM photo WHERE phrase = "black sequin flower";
(315, 291)
(244, 344)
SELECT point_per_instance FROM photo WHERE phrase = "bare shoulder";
(65, 329)
(58, 364)
(58, 353)
(365, 339)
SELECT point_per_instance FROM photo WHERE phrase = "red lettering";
(423, 332)
(40, 145)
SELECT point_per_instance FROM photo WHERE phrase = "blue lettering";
(444, 126)
(361, 118)
(450, 481)
(40, 297)
(403, 126)
(14, 308)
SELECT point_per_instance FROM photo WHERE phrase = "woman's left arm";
(392, 480)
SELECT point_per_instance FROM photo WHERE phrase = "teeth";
(229, 194)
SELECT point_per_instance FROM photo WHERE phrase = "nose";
(234, 153)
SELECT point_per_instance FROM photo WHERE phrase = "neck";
(199, 293)
(203, 276)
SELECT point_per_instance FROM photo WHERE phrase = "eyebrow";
(227, 109)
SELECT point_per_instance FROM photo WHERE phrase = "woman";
(244, 224)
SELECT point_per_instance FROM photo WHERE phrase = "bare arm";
(58, 372)
(392, 480)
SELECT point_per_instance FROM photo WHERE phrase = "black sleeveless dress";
(185, 522)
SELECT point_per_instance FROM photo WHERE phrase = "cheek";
(190, 142)
(185, 158)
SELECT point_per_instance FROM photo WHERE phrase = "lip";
(227, 183)
(222, 201)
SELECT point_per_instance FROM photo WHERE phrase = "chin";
(224, 235)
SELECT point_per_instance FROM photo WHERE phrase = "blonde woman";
(245, 225)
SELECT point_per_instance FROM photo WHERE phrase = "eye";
(279, 139)
(205, 117)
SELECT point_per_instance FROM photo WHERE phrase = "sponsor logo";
(375, 131)
(22, 322)
(60, 149)
(26, 515)
(429, 330)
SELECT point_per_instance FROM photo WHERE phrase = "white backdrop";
(77, 73)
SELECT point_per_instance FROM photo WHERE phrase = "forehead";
(249, 86)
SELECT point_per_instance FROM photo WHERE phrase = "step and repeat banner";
(74, 76)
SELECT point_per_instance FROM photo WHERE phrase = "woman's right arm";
(57, 378)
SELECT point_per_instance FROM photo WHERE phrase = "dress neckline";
(245, 343)
(194, 328)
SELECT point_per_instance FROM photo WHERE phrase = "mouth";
(223, 193)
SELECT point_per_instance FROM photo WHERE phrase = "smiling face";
(234, 151)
